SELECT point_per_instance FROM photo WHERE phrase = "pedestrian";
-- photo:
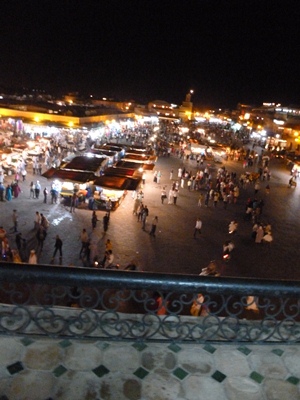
(171, 174)
(158, 177)
(41, 236)
(259, 234)
(16, 190)
(8, 193)
(16, 259)
(73, 201)
(32, 190)
(163, 195)
(108, 248)
(170, 199)
(198, 227)
(139, 212)
(225, 200)
(206, 199)
(108, 206)
(57, 247)
(19, 241)
(145, 213)
(44, 222)
(45, 192)
(94, 220)
(17, 177)
(15, 220)
(216, 199)
(37, 189)
(2, 190)
(153, 227)
(105, 222)
(144, 177)
(256, 187)
(200, 200)
(84, 237)
(37, 220)
(109, 259)
(54, 196)
(135, 206)
(175, 195)
(24, 173)
(32, 257)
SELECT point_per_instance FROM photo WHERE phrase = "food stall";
(119, 151)
(113, 188)
(111, 155)
(90, 164)
(69, 182)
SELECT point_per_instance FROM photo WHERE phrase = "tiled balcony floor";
(44, 369)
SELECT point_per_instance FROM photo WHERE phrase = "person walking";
(37, 189)
(145, 213)
(2, 190)
(8, 193)
(15, 220)
(45, 192)
(32, 257)
(73, 201)
(57, 247)
(84, 237)
(175, 195)
(94, 220)
(24, 173)
(163, 195)
(32, 190)
(105, 222)
(198, 227)
(37, 220)
(259, 234)
(108, 248)
(108, 206)
(153, 227)
(216, 199)
(200, 200)
(41, 236)
(19, 241)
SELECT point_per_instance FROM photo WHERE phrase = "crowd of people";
(217, 189)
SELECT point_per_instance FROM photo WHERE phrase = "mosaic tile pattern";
(164, 366)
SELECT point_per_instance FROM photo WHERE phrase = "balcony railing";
(96, 303)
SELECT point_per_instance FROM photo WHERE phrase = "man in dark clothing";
(105, 222)
(19, 241)
(2, 192)
(145, 213)
(57, 247)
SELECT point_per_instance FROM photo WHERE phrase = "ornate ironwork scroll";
(89, 303)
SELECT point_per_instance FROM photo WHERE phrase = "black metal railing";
(95, 303)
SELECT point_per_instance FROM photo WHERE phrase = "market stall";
(92, 164)
(113, 188)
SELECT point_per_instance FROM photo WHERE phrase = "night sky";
(227, 51)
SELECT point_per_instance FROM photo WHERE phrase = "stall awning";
(117, 182)
(83, 163)
(135, 165)
(72, 176)
(127, 172)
